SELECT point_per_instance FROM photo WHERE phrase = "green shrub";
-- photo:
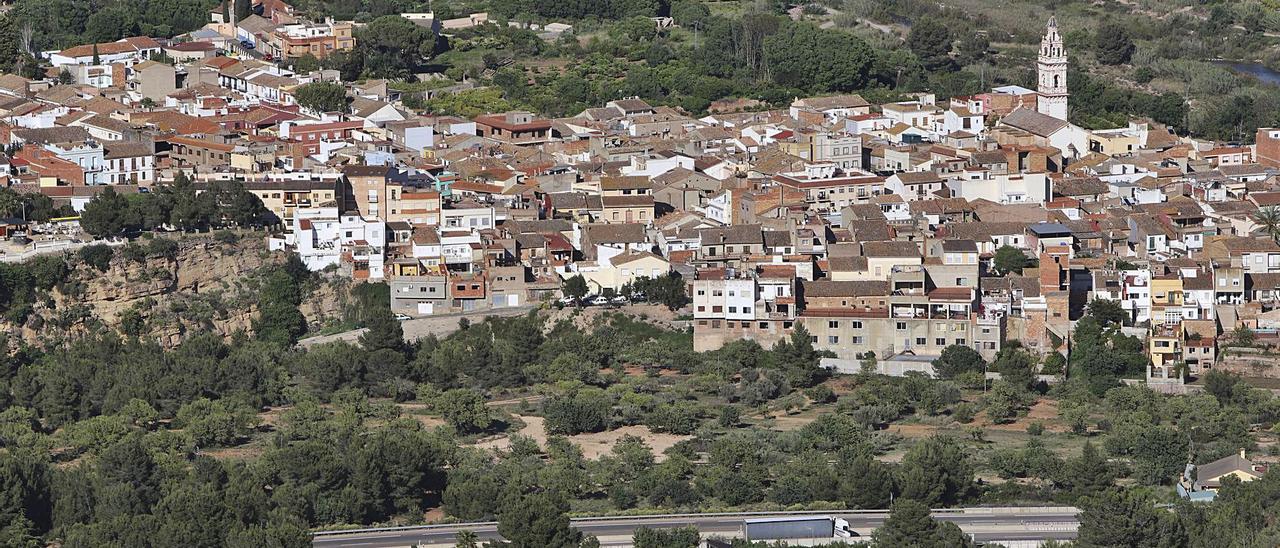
(98, 256)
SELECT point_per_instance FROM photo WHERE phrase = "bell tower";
(1051, 72)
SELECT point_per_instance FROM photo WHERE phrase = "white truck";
(796, 528)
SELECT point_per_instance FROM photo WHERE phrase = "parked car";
(247, 44)
(403, 317)
(621, 299)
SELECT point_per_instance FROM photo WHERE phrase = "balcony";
(909, 311)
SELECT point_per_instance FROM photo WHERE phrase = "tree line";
(179, 206)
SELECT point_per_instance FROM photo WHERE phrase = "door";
(513, 300)
(426, 308)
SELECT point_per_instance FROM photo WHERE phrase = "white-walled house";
(323, 238)
(129, 163)
(128, 51)
(1005, 188)
(719, 208)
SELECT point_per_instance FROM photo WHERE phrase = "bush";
(730, 416)
(464, 410)
(216, 422)
(963, 413)
(162, 247)
(821, 394)
(581, 410)
(134, 252)
(1035, 428)
(677, 418)
(98, 256)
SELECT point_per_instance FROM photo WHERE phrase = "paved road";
(984, 524)
(417, 328)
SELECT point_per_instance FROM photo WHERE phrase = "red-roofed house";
(517, 128)
(127, 51)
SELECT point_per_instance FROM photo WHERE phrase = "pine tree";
(1087, 474)
(909, 524)
(383, 331)
(866, 483)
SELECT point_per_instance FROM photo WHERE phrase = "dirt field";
(593, 445)
(1044, 412)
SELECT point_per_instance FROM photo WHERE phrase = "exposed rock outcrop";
(203, 286)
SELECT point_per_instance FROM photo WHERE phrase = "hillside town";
(890, 230)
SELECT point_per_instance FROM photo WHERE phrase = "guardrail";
(1002, 510)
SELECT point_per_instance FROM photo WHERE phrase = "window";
(764, 325)
(902, 326)
(702, 309)
(940, 341)
(855, 324)
(961, 342)
(702, 292)
(832, 339)
(733, 310)
(833, 325)
(921, 341)
(986, 331)
(857, 340)
(717, 309)
(717, 293)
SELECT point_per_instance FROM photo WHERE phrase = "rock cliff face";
(205, 286)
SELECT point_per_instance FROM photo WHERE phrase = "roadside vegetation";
(247, 441)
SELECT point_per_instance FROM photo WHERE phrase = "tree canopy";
(322, 97)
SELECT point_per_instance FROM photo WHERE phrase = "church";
(1047, 124)
(1051, 72)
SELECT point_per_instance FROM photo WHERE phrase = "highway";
(983, 524)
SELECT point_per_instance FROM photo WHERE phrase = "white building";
(1136, 300)
(1004, 188)
(88, 155)
(129, 163)
(724, 299)
(128, 51)
(467, 215)
(1051, 71)
(323, 238)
